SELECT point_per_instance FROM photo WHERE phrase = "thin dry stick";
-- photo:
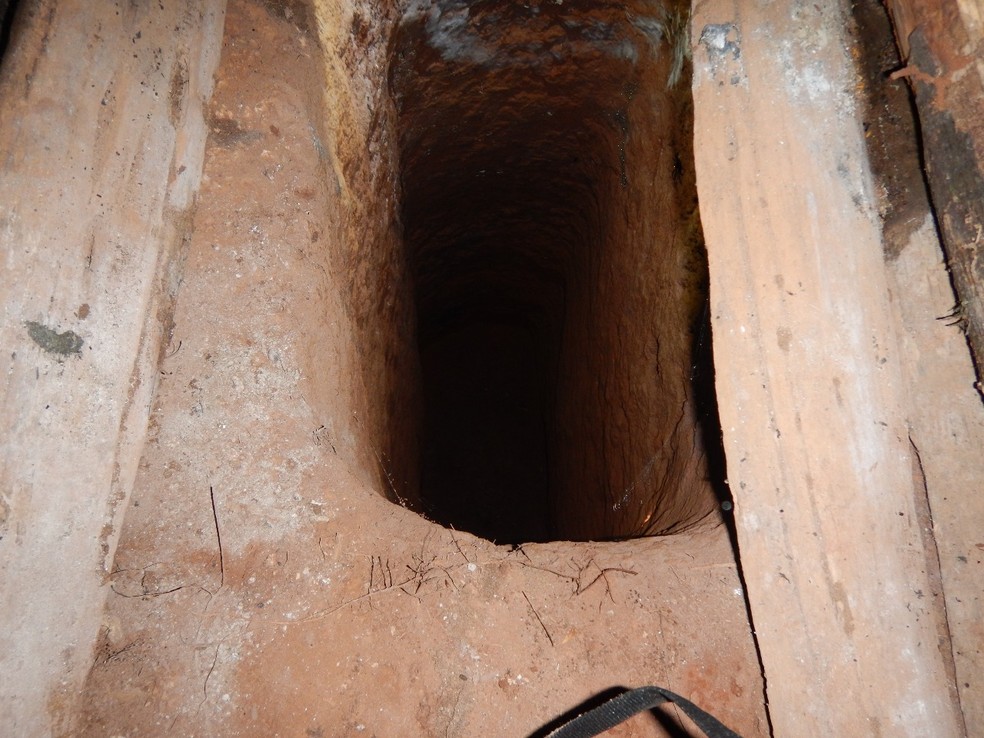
(419, 578)
(215, 660)
(218, 537)
(455, 540)
(539, 619)
(603, 575)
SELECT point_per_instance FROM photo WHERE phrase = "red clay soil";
(263, 584)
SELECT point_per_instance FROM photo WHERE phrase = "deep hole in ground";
(553, 240)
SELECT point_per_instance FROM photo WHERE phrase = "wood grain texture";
(103, 136)
(809, 381)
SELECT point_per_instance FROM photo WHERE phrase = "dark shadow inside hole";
(484, 458)
(8, 10)
(559, 284)
(708, 422)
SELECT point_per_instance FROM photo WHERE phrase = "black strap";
(621, 708)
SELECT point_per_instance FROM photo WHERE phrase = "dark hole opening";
(553, 241)
(8, 9)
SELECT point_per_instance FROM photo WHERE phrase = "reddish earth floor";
(264, 586)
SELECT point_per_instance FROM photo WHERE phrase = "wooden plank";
(809, 381)
(941, 41)
(102, 133)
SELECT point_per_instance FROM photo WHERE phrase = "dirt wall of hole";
(358, 158)
(548, 201)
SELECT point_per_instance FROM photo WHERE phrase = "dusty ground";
(264, 586)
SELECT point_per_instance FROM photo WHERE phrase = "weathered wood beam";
(942, 42)
(810, 389)
(101, 143)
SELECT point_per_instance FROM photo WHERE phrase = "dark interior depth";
(550, 228)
